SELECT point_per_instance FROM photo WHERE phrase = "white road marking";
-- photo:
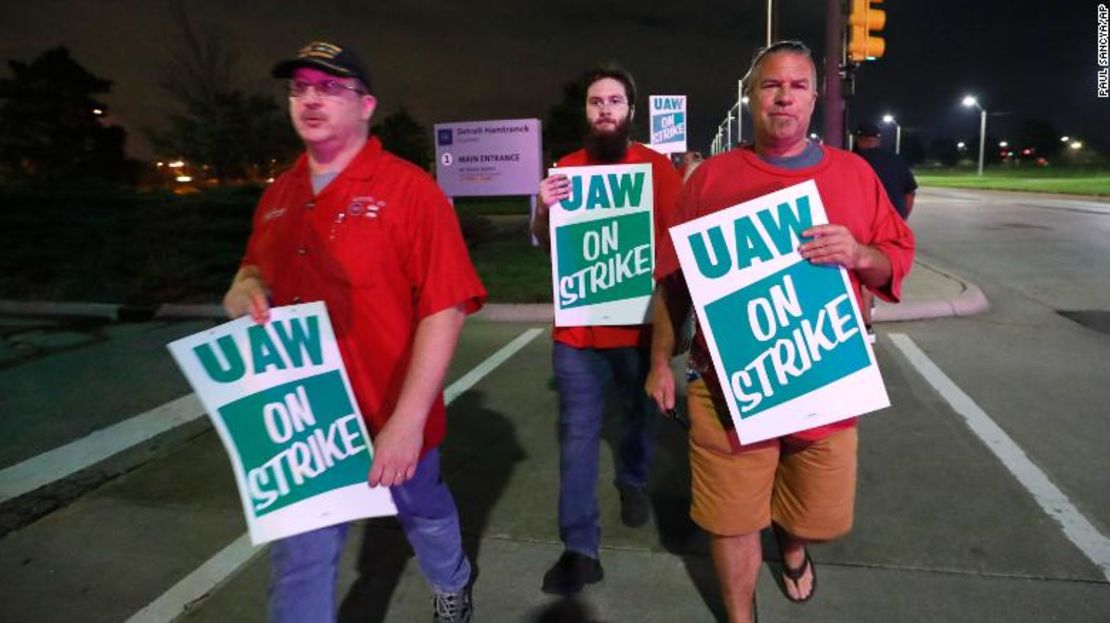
(60, 462)
(214, 573)
(1052, 500)
(470, 378)
(218, 570)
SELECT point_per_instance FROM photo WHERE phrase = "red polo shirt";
(666, 185)
(381, 246)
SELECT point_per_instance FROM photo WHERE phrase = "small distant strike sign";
(786, 336)
(668, 123)
(280, 399)
(603, 246)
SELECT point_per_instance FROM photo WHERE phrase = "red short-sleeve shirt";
(666, 184)
(381, 246)
(852, 196)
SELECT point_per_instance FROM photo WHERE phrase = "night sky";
(493, 59)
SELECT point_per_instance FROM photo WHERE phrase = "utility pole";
(834, 86)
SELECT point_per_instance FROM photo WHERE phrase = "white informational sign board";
(489, 158)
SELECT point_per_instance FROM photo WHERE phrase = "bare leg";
(737, 560)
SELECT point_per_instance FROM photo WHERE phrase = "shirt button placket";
(303, 251)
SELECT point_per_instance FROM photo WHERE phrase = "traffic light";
(862, 23)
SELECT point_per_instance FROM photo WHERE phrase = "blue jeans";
(304, 568)
(582, 376)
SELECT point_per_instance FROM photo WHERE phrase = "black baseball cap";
(868, 128)
(328, 57)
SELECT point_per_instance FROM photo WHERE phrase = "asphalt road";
(945, 530)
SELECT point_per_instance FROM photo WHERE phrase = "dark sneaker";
(571, 573)
(635, 505)
(453, 607)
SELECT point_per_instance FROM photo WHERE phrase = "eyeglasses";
(613, 102)
(325, 88)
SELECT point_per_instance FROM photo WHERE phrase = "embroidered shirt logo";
(273, 214)
(365, 206)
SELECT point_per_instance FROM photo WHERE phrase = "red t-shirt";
(665, 186)
(381, 246)
(852, 196)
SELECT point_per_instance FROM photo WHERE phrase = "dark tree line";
(51, 123)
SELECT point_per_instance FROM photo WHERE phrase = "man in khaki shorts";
(803, 485)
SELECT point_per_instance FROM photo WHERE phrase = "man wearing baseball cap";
(374, 238)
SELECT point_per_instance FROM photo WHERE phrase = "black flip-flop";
(797, 574)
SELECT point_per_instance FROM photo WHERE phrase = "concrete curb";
(968, 302)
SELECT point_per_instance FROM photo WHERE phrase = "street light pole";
(897, 132)
(728, 130)
(739, 111)
(970, 101)
(982, 137)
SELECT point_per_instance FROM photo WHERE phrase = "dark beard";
(608, 147)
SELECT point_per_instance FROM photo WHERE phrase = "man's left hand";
(831, 244)
(396, 453)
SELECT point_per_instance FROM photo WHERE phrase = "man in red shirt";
(803, 485)
(585, 358)
(374, 238)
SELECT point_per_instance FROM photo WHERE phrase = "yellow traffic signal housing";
(863, 22)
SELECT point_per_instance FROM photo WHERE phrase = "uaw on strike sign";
(603, 246)
(279, 397)
(786, 336)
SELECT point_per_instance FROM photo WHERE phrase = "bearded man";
(587, 359)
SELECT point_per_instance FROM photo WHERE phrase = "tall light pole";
(728, 130)
(970, 101)
(740, 111)
(889, 119)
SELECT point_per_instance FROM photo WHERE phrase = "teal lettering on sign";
(781, 229)
(628, 190)
(229, 368)
(598, 195)
(788, 225)
(297, 440)
(605, 191)
(296, 339)
(604, 260)
(263, 352)
(668, 103)
(300, 339)
(785, 336)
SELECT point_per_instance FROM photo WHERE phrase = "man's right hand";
(248, 295)
(660, 385)
(554, 189)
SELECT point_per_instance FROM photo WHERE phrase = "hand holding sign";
(248, 295)
(831, 244)
(554, 189)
